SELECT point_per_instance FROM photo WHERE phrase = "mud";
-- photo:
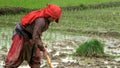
(60, 54)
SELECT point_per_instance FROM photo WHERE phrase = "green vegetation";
(77, 21)
(92, 47)
(42, 3)
(71, 22)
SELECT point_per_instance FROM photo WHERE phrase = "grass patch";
(92, 47)
(98, 19)
(42, 3)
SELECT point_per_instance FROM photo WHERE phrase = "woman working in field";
(26, 41)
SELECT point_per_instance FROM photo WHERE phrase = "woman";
(26, 41)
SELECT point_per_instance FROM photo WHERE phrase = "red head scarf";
(50, 10)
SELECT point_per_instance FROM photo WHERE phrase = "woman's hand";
(45, 51)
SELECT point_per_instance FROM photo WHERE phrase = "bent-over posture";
(26, 40)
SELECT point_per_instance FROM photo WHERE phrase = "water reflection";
(5, 37)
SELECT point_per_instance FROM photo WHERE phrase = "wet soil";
(60, 55)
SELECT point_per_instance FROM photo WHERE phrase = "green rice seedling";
(91, 48)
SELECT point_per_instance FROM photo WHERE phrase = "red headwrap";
(50, 10)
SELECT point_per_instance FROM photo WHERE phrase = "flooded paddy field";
(59, 51)
(61, 42)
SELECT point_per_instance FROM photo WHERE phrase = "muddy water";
(63, 46)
